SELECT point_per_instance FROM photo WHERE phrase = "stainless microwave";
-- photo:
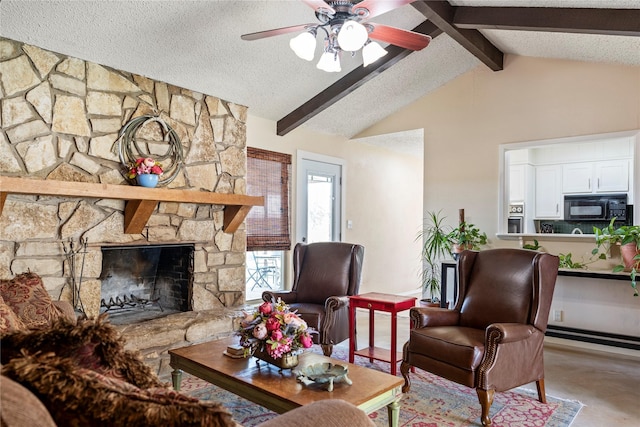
(595, 207)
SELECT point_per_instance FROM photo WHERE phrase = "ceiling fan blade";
(275, 32)
(377, 7)
(399, 37)
(320, 4)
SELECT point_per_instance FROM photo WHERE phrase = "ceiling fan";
(347, 28)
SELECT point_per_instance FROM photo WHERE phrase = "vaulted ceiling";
(197, 45)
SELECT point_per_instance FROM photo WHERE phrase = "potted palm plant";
(628, 237)
(437, 244)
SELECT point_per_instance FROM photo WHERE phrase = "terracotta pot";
(459, 248)
(628, 252)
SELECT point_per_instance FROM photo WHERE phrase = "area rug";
(431, 402)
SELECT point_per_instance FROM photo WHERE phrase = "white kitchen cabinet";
(548, 192)
(577, 177)
(595, 177)
(517, 182)
(612, 176)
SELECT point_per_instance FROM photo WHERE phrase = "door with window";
(319, 198)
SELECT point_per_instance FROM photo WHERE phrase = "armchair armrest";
(508, 345)
(335, 303)
(334, 308)
(432, 316)
(502, 333)
(288, 297)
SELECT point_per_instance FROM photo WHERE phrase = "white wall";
(383, 199)
(531, 99)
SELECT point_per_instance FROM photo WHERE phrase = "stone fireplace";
(61, 118)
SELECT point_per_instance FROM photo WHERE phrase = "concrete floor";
(607, 384)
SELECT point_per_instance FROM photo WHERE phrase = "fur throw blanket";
(93, 344)
(83, 376)
(82, 397)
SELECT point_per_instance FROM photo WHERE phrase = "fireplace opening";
(140, 283)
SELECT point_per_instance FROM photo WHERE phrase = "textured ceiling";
(197, 45)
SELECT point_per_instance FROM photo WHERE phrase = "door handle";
(304, 239)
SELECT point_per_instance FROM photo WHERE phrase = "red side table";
(383, 302)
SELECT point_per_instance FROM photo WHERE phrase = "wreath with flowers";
(276, 329)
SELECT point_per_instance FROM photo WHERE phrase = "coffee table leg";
(393, 410)
(176, 378)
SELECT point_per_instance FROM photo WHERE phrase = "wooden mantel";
(140, 201)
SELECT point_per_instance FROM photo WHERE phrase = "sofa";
(58, 370)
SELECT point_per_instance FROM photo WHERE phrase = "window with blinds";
(268, 175)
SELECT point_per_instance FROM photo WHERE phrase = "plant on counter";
(628, 237)
(534, 247)
(567, 262)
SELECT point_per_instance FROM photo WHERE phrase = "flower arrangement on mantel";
(275, 328)
(143, 166)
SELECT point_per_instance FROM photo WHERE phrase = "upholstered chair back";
(499, 286)
(326, 269)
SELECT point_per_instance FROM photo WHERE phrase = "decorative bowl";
(323, 373)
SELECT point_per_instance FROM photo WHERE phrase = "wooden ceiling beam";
(462, 24)
(617, 22)
(442, 14)
(349, 83)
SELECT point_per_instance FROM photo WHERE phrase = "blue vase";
(147, 180)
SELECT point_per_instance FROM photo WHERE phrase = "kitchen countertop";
(546, 236)
(576, 272)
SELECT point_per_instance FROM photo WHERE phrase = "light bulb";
(352, 36)
(329, 62)
(304, 45)
(371, 52)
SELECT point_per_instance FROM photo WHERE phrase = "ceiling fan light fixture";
(304, 45)
(371, 52)
(329, 62)
(352, 36)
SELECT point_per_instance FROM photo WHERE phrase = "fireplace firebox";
(140, 283)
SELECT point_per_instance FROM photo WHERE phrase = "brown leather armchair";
(325, 274)
(492, 340)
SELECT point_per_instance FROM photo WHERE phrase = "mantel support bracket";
(136, 215)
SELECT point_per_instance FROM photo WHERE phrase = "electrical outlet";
(557, 315)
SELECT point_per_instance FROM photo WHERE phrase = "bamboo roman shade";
(268, 175)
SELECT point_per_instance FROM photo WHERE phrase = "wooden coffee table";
(278, 390)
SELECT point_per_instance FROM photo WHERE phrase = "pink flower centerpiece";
(276, 329)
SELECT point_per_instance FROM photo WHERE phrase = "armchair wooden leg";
(486, 399)
(404, 369)
(542, 396)
(327, 349)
